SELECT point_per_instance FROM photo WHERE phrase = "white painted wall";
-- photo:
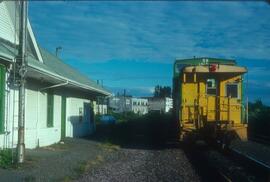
(36, 131)
(9, 138)
(78, 124)
(37, 134)
(7, 21)
(9, 26)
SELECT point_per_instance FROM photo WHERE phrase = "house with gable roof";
(59, 99)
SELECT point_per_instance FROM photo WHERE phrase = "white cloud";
(155, 31)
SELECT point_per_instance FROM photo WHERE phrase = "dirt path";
(144, 165)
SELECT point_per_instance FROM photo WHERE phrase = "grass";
(259, 119)
(58, 147)
(6, 158)
(109, 147)
(30, 179)
(83, 167)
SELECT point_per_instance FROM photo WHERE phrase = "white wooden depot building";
(59, 99)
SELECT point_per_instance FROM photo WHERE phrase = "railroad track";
(252, 159)
(225, 177)
(254, 164)
(259, 170)
(234, 165)
(260, 139)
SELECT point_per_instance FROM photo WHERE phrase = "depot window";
(211, 88)
(2, 97)
(232, 90)
(50, 106)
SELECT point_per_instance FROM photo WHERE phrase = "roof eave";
(72, 82)
(221, 69)
(6, 57)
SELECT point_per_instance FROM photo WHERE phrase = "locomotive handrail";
(198, 105)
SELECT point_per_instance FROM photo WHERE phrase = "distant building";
(101, 106)
(160, 104)
(121, 104)
(101, 109)
(139, 105)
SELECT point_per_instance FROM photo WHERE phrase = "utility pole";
(21, 65)
(57, 49)
(125, 102)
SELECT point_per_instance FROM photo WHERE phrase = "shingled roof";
(55, 67)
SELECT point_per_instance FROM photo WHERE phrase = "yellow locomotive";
(208, 95)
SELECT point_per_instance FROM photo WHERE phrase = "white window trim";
(211, 87)
(232, 83)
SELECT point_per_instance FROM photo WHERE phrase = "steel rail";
(252, 159)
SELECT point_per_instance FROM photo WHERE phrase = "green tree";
(162, 91)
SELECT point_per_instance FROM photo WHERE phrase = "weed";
(81, 168)
(5, 158)
(108, 146)
(29, 179)
(84, 167)
(66, 179)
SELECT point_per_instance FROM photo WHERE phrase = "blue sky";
(133, 45)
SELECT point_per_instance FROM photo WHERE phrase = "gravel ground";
(59, 162)
(144, 165)
(88, 160)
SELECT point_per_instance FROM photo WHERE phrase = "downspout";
(54, 86)
(41, 89)
(13, 108)
(37, 119)
(247, 100)
(243, 109)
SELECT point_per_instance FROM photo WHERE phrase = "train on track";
(208, 96)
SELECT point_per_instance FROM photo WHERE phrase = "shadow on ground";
(142, 132)
(153, 131)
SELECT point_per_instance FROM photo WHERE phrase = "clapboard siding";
(7, 28)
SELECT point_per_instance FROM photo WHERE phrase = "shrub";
(259, 118)
(5, 158)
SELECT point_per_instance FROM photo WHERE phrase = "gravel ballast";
(143, 165)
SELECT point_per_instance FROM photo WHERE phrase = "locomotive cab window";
(232, 90)
(211, 88)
